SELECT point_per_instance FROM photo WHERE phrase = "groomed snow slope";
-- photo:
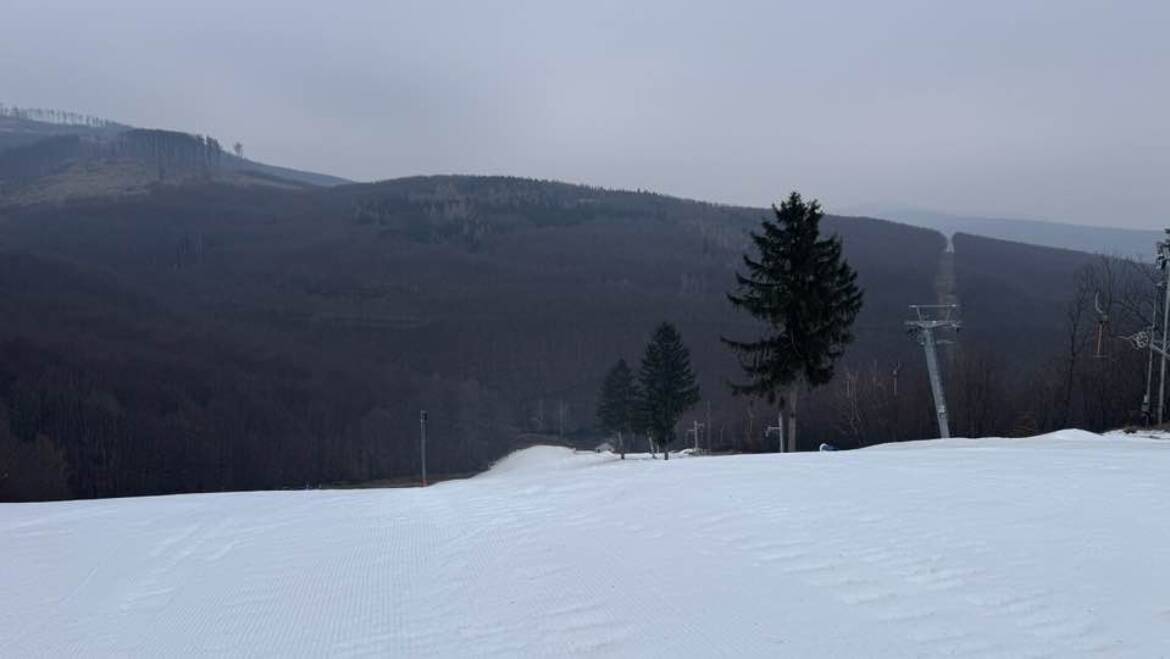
(1050, 546)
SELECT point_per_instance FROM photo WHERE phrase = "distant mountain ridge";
(1126, 243)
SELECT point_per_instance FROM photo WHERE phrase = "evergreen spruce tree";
(804, 290)
(667, 385)
(617, 409)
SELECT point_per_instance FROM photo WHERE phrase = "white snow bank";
(542, 459)
(1050, 546)
(1147, 433)
(539, 460)
(1071, 435)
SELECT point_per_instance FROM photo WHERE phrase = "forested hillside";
(207, 336)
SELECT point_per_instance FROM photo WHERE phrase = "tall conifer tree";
(667, 384)
(617, 410)
(807, 294)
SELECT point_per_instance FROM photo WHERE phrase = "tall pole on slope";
(1164, 263)
(695, 426)
(422, 441)
(1147, 399)
(930, 318)
(936, 389)
(778, 429)
(707, 430)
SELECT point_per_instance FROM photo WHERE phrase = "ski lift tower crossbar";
(928, 318)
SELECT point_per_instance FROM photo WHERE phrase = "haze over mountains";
(192, 321)
(28, 127)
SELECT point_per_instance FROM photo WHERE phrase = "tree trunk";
(621, 445)
(665, 452)
(790, 417)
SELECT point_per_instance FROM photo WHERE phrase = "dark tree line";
(653, 403)
(48, 115)
(167, 153)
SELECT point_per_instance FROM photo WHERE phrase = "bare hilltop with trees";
(49, 155)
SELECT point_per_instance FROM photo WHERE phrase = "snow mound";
(1143, 433)
(541, 459)
(1070, 436)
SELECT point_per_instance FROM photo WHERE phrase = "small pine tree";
(667, 385)
(617, 408)
(807, 294)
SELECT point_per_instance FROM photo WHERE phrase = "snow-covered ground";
(1148, 433)
(1050, 546)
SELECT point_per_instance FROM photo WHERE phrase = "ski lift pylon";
(1102, 325)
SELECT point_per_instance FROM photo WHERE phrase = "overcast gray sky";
(1052, 110)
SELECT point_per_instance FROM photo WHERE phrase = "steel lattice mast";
(930, 317)
(1164, 263)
